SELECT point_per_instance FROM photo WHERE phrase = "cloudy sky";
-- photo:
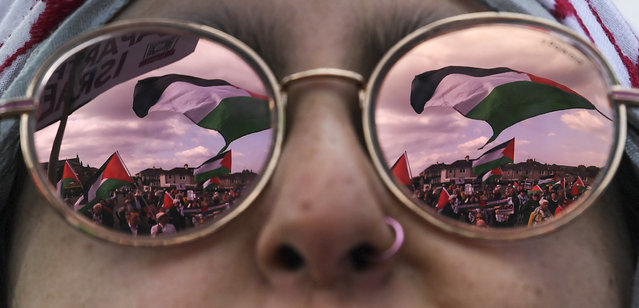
(570, 137)
(161, 139)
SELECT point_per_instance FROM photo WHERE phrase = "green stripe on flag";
(514, 102)
(238, 116)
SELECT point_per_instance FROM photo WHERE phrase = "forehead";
(293, 36)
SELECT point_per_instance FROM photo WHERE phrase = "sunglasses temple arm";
(628, 96)
(15, 107)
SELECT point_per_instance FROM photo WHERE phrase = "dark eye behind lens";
(152, 133)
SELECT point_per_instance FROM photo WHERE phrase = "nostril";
(288, 258)
(361, 257)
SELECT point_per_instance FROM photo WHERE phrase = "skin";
(587, 263)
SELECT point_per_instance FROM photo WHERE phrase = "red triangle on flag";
(400, 171)
(68, 173)
(115, 170)
(226, 161)
(168, 200)
(509, 151)
(444, 198)
(577, 186)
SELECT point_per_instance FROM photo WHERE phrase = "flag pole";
(409, 172)
(123, 164)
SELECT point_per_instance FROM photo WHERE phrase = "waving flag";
(500, 155)
(216, 166)
(110, 176)
(167, 203)
(444, 198)
(578, 187)
(535, 190)
(68, 177)
(548, 181)
(401, 170)
(500, 96)
(491, 176)
(210, 103)
(211, 183)
(561, 184)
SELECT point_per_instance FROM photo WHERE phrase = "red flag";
(444, 198)
(400, 171)
(168, 201)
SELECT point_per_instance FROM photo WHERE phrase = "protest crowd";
(499, 205)
(158, 212)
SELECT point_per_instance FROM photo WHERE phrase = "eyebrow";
(260, 33)
(378, 35)
(266, 33)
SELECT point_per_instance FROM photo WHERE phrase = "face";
(248, 262)
(544, 205)
(134, 218)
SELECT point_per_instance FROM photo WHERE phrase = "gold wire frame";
(27, 125)
(457, 23)
(25, 108)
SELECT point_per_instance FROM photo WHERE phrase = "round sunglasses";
(491, 126)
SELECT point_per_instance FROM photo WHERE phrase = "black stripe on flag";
(148, 91)
(424, 85)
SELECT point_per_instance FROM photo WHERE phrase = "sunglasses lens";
(496, 126)
(153, 132)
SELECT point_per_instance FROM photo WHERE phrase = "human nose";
(327, 207)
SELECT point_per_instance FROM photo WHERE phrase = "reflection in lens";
(153, 134)
(495, 126)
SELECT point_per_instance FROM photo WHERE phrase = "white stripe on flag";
(464, 92)
(94, 188)
(209, 166)
(489, 157)
(194, 101)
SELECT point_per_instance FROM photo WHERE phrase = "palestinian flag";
(109, 177)
(216, 166)
(444, 198)
(167, 203)
(500, 96)
(401, 172)
(68, 178)
(578, 187)
(561, 184)
(547, 181)
(491, 176)
(210, 103)
(535, 190)
(211, 183)
(498, 156)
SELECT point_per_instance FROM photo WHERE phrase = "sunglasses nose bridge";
(337, 73)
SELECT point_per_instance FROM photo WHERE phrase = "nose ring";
(399, 240)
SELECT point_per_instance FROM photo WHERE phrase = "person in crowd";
(102, 215)
(530, 207)
(133, 225)
(554, 201)
(163, 227)
(541, 214)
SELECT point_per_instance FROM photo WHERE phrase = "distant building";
(150, 176)
(180, 178)
(461, 172)
(83, 172)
